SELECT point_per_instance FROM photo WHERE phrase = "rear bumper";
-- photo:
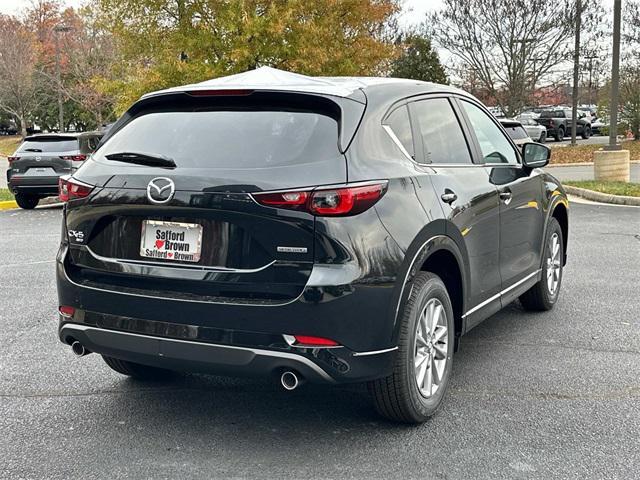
(176, 354)
(234, 339)
(33, 184)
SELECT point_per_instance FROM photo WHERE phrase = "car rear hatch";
(196, 232)
(43, 158)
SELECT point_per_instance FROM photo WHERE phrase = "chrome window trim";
(255, 351)
(500, 294)
(398, 143)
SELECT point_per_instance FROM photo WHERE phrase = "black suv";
(323, 229)
(40, 160)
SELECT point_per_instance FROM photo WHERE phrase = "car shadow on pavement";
(204, 402)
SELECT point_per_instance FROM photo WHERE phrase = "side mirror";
(535, 155)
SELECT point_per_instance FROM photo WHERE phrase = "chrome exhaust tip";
(78, 349)
(290, 380)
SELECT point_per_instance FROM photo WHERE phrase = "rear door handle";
(448, 196)
(506, 197)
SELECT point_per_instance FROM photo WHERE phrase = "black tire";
(28, 202)
(559, 135)
(397, 397)
(540, 297)
(586, 133)
(543, 137)
(137, 370)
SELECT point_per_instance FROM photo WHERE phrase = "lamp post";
(60, 28)
(615, 78)
(576, 74)
(612, 163)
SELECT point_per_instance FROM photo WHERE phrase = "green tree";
(419, 61)
(163, 43)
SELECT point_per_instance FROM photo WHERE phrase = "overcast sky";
(414, 10)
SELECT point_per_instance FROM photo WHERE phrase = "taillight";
(309, 341)
(13, 159)
(75, 158)
(71, 189)
(323, 201)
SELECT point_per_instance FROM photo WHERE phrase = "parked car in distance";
(333, 230)
(558, 123)
(516, 131)
(535, 131)
(40, 160)
(599, 125)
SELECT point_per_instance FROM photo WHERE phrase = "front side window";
(495, 146)
(442, 137)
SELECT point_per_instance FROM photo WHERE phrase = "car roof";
(509, 122)
(272, 79)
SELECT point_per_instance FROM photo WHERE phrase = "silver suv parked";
(38, 163)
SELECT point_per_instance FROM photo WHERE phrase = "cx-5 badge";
(161, 190)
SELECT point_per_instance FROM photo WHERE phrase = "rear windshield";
(236, 139)
(47, 145)
(516, 132)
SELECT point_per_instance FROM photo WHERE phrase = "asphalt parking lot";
(551, 395)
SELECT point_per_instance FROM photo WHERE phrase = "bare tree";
(18, 72)
(508, 44)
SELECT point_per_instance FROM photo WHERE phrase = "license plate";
(171, 241)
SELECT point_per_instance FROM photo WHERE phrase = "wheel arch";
(435, 250)
(561, 214)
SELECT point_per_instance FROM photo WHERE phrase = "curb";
(602, 197)
(8, 205)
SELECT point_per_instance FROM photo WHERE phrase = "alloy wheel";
(553, 264)
(431, 347)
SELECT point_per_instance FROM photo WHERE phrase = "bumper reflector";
(66, 311)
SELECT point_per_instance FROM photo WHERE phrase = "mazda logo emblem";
(161, 190)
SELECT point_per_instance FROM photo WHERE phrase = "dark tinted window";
(516, 132)
(229, 139)
(48, 145)
(399, 123)
(441, 133)
(552, 114)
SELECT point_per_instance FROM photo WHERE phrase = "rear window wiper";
(142, 159)
(33, 150)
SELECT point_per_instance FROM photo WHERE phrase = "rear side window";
(442, 137)
(398, 122)
(53, 145)
(231, 139)
(516, 132)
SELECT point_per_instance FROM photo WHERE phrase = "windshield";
(49, 145)
(239, 139)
